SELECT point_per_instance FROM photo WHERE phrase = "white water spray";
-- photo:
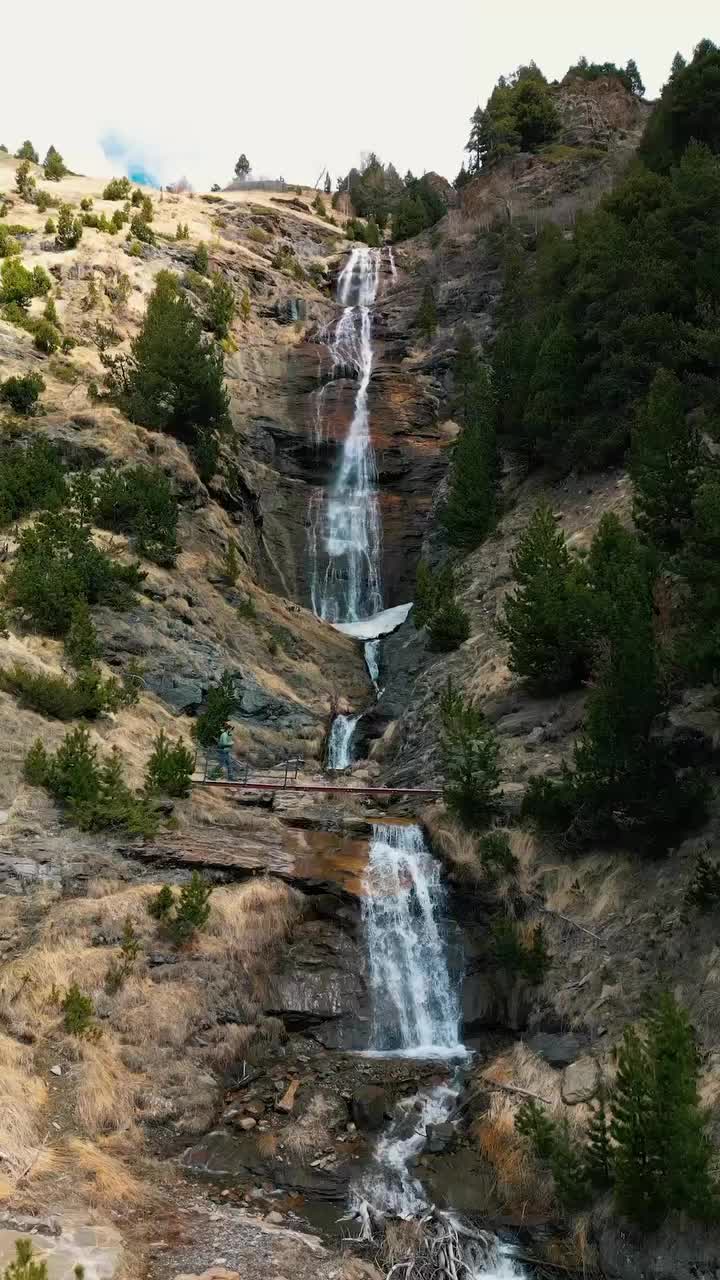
(415, 1005)
(345, 545)
(339, 751)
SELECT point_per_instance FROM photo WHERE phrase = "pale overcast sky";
(299, 84)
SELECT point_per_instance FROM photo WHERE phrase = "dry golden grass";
(160, 1013)
(30, 984)
(81, 918)
(105, 1090)
(312, 1131)
(401, 1240)
(457, 847)
(249, 920)
(230, 1046)
(103, 1179)
(267, 1145)
(22, 1099)
(522, 1182)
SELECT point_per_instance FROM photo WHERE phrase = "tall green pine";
(471, 508)
(665, 464)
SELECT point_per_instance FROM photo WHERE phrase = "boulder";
(369, 1106)
(439, 1137)
(287, 1102)
(580, 1081)
(558, 1050)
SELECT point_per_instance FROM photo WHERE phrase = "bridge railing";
(281, 773)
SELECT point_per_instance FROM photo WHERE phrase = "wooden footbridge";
(286, 776)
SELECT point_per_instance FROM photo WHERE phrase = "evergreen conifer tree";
(427, 316)
(700, 565)
(665, 464)
(54, 165)
(471, 509)
(174, 378)
(598, 1151)
(27, 152)
(546, 621)
(475, 145)
(470, 759)
(662, 1155)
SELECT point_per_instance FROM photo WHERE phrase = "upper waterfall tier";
(345, 541)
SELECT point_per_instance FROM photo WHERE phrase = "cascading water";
(414, 1002)
(339, 749)
(345, 543)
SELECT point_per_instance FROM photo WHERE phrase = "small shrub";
(135, 249)
(170, 768)
(118, 289)
(231, 564)
(22, 393)
(141, 230)
(137, 198)
(201, 260)
(246, 609)
(120, 969)
(50, 313)
(449, 627)
(182, 917)
(25, 1266)
(182, 231)
(117, 189)
(530, 961)
(50, 227)
(57, 564)
(496, 854)
(48, 338)
(27, 152)
(222, 702)
(193, 909)
(140, 501)
(30, 477)
(92, 792)
(703, 891)
(78, 1012)
(82, 645)
(24, 183)
(162, 905)
(258, 235)
(245, 306)
(87, 696)
(221, 306)
(86, 204)
(69, 229)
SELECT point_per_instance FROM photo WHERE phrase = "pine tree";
(427, 316)
(448, 628)
(82, 645)
(27, 152)
(700, 565)
(703, 891)
(569, 1171)
(222, 701)
(533, 1122)
(328, 184)
(231, 563)
(598, 1151)
(665, 465)
(174, 377)
(662, 1154)
(678, 64)
(69, 228)
(546, 620)
(475, 145)
(471, 509)
(634, 78)
(54, 165)
(466, 367)
(470, 759)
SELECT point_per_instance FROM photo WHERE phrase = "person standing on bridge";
(225, 746)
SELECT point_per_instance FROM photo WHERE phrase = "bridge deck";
(318, 786)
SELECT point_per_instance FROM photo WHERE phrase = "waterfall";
(414, 1002)
(339, 752)
(345, 546)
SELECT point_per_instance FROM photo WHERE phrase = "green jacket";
(225, 740)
